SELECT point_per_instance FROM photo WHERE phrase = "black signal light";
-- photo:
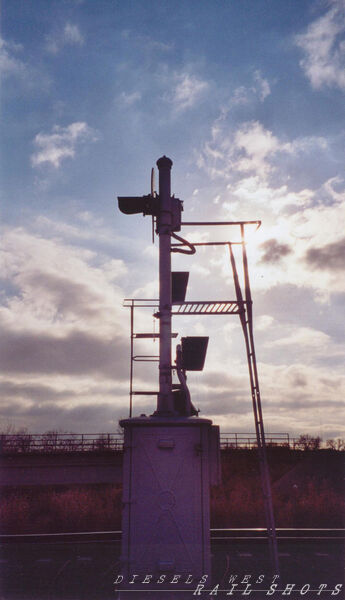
(179, 282)
(194, 350)
(131, 205)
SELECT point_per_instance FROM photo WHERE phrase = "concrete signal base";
(169, 464)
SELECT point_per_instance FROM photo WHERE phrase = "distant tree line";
(60, 440)
(308, 442)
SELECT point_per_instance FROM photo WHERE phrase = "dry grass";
(39, 510)
(238, 502)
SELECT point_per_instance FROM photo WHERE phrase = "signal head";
(131, 205)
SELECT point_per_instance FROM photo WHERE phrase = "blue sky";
(247, 99)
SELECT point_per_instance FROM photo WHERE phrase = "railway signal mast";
(172, 457)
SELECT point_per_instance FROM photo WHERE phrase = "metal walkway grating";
(209, 307)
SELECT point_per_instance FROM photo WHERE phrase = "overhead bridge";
(79, 459)
(61, 469)
(60, 459)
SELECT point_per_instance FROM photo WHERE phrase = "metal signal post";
(164, 228)
(172, 456)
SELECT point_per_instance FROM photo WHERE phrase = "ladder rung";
(139, 393)
(150, 335)
(145, 358)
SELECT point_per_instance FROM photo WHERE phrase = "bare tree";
(308, 442)
(336, 444)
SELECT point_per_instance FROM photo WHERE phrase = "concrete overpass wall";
(60, 469)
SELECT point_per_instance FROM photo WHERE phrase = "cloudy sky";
(247, 98)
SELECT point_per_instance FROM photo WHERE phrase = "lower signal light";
(194, 350)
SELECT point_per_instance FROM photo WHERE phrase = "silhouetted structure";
(170, 456)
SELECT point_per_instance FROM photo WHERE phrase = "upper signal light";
(131, 205)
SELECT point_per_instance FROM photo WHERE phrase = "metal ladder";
(246, 318)
(139, 357)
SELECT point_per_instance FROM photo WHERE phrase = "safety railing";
(60, 442)
(103, 442)
(248, 440)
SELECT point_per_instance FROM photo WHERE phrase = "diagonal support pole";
(246, 318)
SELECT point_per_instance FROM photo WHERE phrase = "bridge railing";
(60, 442)
(101, 442)
(248, 440)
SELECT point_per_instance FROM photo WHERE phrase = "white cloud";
(61, 228)
(64, 336)
(65, 322)
(61, 143)
(308, 144)
(129, 99)
(259, 89)
(324, 49)
(331, 192)
(254, 150)
(263, 87)
(294, 396)
(264, 322)
(302, 235)
(313, 231)
(70, 35)
(304, 337)
(240, 95)
(249, 149)
(59, 285)
(255, 191)
(146, 42)
(9, 64)
(188, 89)
(255, 144)
(28, 75)
(64, 302)
(323, 223)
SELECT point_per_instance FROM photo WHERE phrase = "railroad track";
(84, 564)
(226, 534)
